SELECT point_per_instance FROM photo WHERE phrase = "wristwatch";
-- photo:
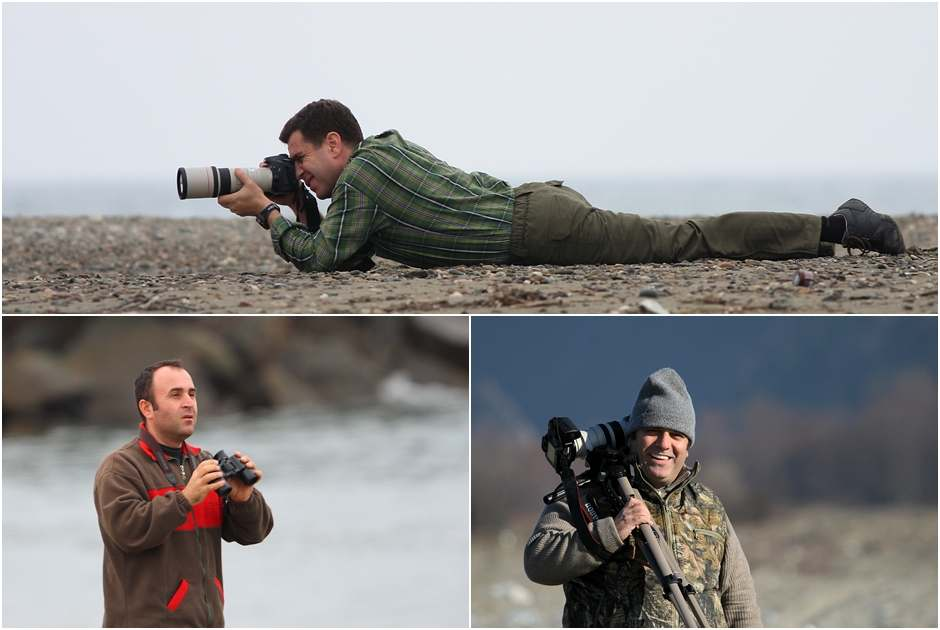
(262, 217)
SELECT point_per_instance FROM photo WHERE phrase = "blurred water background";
(370, 512)
(359, 425)
(666, 195)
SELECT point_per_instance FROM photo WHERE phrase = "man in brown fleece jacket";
(162, 521)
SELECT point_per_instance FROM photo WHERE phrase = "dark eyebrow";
(296, 156)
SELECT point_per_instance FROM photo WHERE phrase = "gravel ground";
(152, 265)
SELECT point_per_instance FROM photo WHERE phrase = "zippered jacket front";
(163, 556)
(623, 591)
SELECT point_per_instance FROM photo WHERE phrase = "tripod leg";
(699, 613)
(681, 602)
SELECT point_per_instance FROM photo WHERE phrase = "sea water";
(666, 195)
(370, 518)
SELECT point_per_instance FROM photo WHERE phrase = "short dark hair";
(319, 118)
(143, 385)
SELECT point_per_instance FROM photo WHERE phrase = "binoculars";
(233, 467)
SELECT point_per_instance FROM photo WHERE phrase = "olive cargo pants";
(553, 224)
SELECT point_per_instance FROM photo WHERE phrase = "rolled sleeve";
(340, 243)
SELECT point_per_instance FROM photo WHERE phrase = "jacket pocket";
(711, 534)
(218, 585)
(178, 596)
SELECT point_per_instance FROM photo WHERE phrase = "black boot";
(869, 231)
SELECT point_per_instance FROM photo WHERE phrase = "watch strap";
(262, 217)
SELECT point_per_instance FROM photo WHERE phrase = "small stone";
(804, 278)
(652, 306)
(649, 292)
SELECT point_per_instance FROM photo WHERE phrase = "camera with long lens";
(278, 178)
(564, 439)
(602, 447)
(233, 467)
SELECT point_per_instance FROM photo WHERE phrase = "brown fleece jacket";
(163, 556)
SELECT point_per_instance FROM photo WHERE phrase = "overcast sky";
(514, 90)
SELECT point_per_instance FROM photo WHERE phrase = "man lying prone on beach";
(393, 198)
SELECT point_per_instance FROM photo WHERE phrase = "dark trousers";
(553, 224)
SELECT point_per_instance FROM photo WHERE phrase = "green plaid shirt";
(396, 200)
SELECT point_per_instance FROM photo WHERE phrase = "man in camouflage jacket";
(623, 590)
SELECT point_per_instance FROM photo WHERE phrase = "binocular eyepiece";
(233, 467)
(277, 178)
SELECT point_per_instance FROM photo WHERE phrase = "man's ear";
(145, 408)
(334, 142)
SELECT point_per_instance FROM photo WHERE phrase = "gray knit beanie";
(664, 403)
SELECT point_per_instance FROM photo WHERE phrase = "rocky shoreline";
(154, 265)
(80, 370)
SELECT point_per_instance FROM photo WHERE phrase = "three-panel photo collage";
(469, 315)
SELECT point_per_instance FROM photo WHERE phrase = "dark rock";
(239, 363)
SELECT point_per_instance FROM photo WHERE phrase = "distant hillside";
(760, 455)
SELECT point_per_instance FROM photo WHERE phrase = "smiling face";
(318, 167)
(661, 454)
(171, 418)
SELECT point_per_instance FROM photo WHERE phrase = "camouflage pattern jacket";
(622, 591)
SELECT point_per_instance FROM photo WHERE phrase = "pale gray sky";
(511, 89)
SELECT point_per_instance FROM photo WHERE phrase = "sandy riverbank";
(152, 265)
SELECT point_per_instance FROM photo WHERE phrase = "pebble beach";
(156, 265)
